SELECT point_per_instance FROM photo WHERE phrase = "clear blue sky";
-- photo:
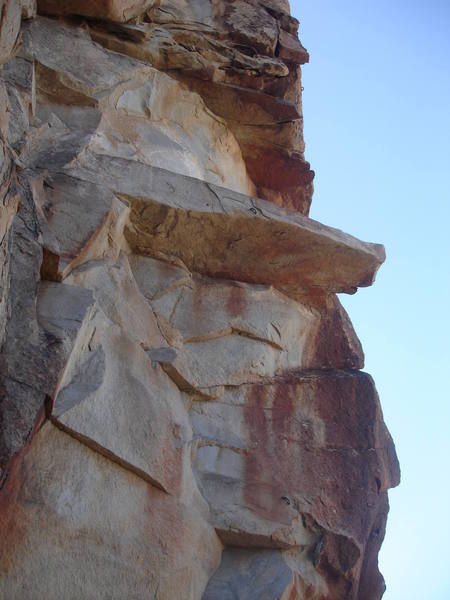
(377, 129)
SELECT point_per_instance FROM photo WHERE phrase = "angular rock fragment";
(83, 222)
(164, 355)
(116, 401)
(118, 296)
(167, 209)
(290, 49)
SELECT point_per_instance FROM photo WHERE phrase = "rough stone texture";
(183, 413)
(10, 16)
(76, 525)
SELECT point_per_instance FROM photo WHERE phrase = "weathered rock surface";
(76, 525)
(122, 107)
(272, 455)
(241, 56)
(182, 410)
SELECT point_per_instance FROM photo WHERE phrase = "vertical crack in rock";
(182, 410)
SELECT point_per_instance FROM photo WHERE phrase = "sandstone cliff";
(183, 415)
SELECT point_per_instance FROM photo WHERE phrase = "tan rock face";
(10, 11)
(242, 57)
(182, 411)
(97, 530)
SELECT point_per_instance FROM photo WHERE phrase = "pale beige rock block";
(145, 115)
(230, 333)
(81, 81)
(97, 531)
(114, 399)
(160, 123)
(117, 294)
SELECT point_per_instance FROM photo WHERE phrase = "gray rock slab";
(93, 70)
(42, 326)
(115, 400)
(84, 220)
(249, 575)
(62, 308)
(222, 233)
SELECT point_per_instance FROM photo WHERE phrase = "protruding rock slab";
(221, 233)
(225, 234)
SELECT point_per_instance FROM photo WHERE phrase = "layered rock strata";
(183, 412)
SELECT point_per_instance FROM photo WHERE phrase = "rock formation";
(183, 414)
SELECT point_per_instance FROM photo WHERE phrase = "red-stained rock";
(290, 49)
(114, 10)
(311, 447)
(284, 180)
